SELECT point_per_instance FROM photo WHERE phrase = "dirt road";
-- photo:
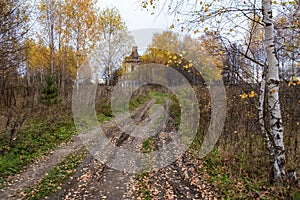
(182, 179)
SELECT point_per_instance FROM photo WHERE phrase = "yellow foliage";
(252, 94)
(244, 96)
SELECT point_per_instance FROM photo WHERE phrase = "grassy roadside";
(36, 138)
(56, 177)
(137, 101)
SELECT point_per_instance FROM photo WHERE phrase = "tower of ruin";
(132, 61)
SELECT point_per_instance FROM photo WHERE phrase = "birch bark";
(276, 126)
(261, 116)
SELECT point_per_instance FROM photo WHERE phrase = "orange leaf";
(272, 91)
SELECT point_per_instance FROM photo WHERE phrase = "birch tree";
(276, 126)
(114, 43)
(81, 28)
(48, 18)
(229, 19)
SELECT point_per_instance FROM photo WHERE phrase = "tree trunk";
(63, 72)
(51, 46)
(276, 126)
(262, 123)
(261, 114)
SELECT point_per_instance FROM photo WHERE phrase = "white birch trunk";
(276, 126)
(261, 117)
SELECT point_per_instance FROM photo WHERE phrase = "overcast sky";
(134, 16)
(139, 21)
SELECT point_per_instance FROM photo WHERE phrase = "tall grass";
(239, 165)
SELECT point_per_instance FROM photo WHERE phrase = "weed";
(148, 145)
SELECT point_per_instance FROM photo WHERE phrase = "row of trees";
(236, 63)
(62, 33)
(72, 30)
(43, 45)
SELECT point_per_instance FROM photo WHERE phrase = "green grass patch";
(175, 106)
(175, 111)
(32, 142)
(103, 118)
(137, 101)
(148, 145)
(160, 97)
(56, 177)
